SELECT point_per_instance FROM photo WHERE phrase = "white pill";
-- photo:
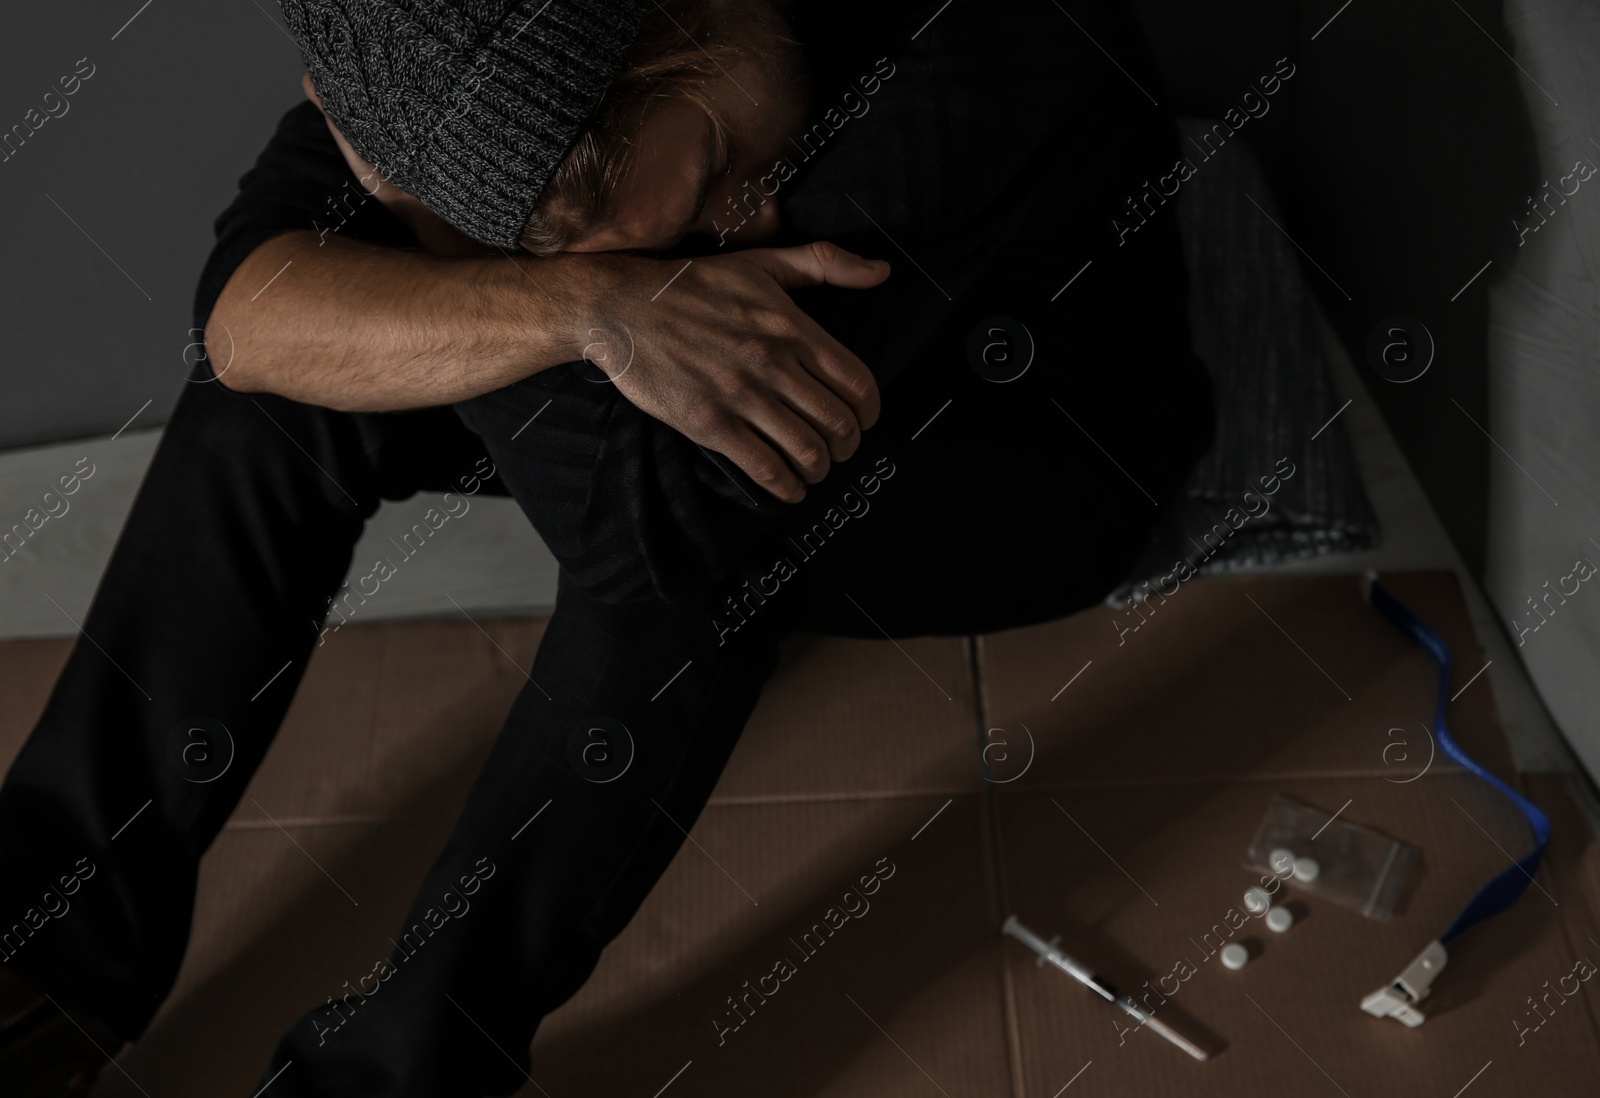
(1281, 860)
(1235, 956)
(1279, 919)
(1257, 900)
(1306, 869)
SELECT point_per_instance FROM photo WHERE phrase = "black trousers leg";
(239, 536)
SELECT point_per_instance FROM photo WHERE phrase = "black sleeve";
(300, 181)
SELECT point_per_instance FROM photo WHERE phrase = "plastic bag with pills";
(1323, 855)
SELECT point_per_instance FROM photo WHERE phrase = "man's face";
(687, 180)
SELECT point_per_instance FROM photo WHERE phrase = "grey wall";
(146, 154)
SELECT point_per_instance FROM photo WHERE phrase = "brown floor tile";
(389, 714)
(443, 695)
(1211, 688)
(1574, 859)
(316, 768)
(920, 962)
(28, 671)
(851, 716)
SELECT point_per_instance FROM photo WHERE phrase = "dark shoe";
(43, 1052)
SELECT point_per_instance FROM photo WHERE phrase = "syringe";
(1049, 951)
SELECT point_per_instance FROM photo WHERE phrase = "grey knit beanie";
(467, 104)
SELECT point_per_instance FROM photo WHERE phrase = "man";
(703, 480)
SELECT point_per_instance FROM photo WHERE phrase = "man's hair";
(682, 45)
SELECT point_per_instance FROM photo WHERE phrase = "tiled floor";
(1144, 781)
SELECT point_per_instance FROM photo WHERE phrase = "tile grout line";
(753, 800)
(768, 800)
(248, 826)
(1008, 987)
(994, 875)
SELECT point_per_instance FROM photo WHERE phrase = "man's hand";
(719, 351)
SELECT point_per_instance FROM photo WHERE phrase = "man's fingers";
(819, 406)
(799, 443)
(837, 367)
(818, 264)
(760, 462)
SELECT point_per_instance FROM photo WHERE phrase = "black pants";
(975, 504)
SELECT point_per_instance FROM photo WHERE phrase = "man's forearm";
(726, 358)
(361, 328)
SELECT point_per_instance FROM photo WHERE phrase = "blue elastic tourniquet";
(1511, 883)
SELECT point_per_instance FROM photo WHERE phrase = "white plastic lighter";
(1400, 998)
